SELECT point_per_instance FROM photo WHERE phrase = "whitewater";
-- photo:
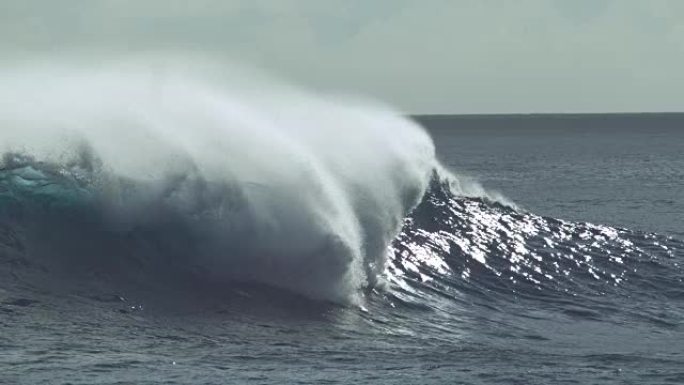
(299, 191)
(168, 221)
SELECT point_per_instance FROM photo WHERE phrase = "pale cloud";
(424, 56)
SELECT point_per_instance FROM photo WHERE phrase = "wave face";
(56, 218)
(272, 185)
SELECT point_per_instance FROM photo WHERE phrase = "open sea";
(546, 249)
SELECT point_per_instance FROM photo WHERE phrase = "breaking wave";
(272, 185)
(123, 176)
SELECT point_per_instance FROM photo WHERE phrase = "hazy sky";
(461, 56)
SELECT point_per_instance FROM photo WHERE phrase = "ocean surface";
(543, 250)
(624, 170)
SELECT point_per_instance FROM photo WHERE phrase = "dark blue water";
(622, 170)
(580, 282)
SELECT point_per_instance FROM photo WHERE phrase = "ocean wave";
(452, 244)
(111, 175)
(296, 190)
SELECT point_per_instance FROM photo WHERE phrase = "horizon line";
(542, 114)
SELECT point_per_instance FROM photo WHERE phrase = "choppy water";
(477, 291)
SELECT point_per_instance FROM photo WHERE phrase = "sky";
(423, 56)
